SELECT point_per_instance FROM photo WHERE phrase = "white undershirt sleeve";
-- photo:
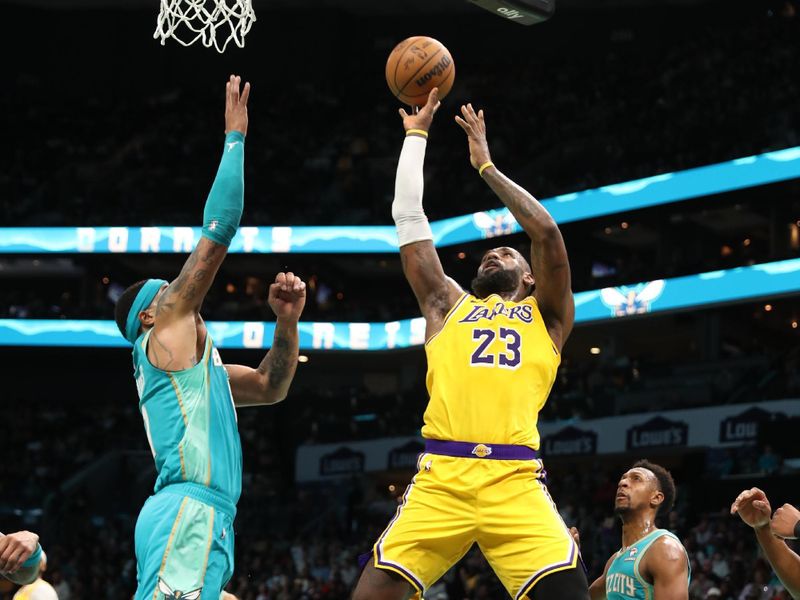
(409, 217)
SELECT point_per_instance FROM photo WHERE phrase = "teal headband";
(140, 303)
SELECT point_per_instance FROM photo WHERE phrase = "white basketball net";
(214, 22)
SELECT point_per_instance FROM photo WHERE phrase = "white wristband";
(409, 217)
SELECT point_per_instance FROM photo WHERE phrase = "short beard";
(495, 282)
(621, 511)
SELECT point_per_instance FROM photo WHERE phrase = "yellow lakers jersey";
(490, 370)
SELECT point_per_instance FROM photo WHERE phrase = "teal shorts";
(184, 544)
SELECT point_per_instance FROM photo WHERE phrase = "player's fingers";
(433, 97)
(15, 562)
(5, 557)
(464, 125)
(470, 116)
(415, 109)
(235, 89)
(435, 108)
(280, 278)
(739, 500)
(760, 505)
(403, 113)
(299, 285)
(245, 94)
(290, 277)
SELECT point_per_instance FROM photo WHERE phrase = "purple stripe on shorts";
(527, 587)
(397, 567)
(473, 450)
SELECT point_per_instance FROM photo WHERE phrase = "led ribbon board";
(694, 291)
(621, 197)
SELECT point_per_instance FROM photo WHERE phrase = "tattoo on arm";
(277, 362)
(194, 276)
(424, 273)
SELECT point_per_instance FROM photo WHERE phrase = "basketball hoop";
(209, 21)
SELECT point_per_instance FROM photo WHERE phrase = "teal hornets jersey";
(190, 420)
(623, 580)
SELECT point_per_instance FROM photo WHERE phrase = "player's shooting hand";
(784, 521)
(236, 105)
(287, 296)
(474, 126)
(15, 549)
(421, 118)
(753, 507)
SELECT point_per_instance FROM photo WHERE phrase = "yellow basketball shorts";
(453, 502)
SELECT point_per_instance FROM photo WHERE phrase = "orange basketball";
(416, 66)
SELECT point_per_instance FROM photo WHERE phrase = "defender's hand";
(576, 535)
(474, 126)
(236, 105)
(784, 521)
(15, 549)
(753, 507)
(287, 296)
(422, 118)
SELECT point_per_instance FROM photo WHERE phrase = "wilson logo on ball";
(437, 70)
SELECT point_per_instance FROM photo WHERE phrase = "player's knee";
(377, 584)
(570, 584)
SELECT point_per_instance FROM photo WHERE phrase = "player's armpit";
(436, 293)
(667, 566)
(173, 343)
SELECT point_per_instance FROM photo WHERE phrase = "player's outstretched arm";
(20, 557)
(436, 293)
(549, 260)
(668, 566)
(753, 507)
(269, 382)
(174, 338)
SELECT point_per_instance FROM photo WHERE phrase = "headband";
(140, 303)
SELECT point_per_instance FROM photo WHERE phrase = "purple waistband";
(473, 450)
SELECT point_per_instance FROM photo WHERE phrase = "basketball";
(416, 66)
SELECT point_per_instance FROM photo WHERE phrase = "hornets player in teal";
(184, 534)
(652, 563)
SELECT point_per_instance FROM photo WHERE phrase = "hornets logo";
(494, 223)
(169, 594)
(634, 300)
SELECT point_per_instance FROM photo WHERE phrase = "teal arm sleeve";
(33, 560)
(225, 202)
